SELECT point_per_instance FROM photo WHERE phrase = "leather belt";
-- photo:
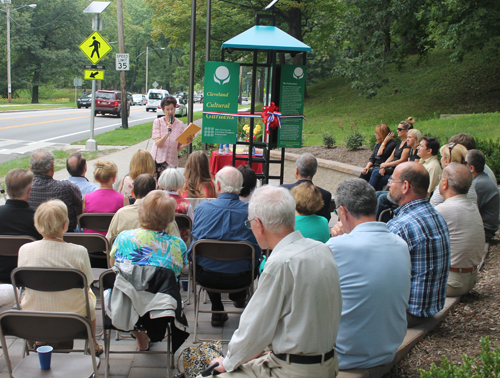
(463, 270)
(306, 360)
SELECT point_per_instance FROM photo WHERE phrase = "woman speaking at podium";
(165, 132)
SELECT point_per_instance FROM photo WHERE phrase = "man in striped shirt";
(426, 233)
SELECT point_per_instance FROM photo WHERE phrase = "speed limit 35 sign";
(122, 62)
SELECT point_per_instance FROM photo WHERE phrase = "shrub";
(491, 150)
(329, 140)
(354, 139)
(488, 365)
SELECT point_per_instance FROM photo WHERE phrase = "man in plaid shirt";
(45, 187)
(426, 233)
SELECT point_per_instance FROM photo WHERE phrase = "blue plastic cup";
(44, 354)
(184, 285)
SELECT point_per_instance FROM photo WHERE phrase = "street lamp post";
(7, 11)
(147, 61)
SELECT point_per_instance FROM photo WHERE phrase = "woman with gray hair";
(51, 221)
(171, 180)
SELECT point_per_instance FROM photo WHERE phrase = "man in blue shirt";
(426, 233)
(224, 219)
(375, 273)
(77, 168)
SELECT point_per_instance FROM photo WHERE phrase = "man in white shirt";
(428, 150)
(296, 308)
(465, 226)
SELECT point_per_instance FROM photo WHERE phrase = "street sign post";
(95, 47)
(94, 75)
(122, 62)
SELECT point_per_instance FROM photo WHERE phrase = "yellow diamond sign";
(95, 47)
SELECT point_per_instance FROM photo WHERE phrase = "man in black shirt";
(16, 216)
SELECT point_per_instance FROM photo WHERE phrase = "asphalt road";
(23, 132)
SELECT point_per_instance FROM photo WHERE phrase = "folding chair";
(51, 280)
(185, 223)
(95, 221)
(9, 248)
(97, 246)
(107, 281)
(49, 327)
(221, 251)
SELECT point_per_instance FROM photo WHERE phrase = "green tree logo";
(221, 75)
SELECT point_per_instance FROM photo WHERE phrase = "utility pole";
(123, 81)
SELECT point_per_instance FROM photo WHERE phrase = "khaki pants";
(269, 365)
(460, 283)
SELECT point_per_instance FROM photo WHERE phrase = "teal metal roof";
(262, 37)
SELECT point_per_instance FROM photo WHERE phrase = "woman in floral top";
(149, 245)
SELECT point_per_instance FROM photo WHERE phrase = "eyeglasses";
(391, 181)
(248, 223)
(335, 211)
(400, 129)
(169, 110)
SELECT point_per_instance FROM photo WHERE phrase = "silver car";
(180, 111)
(139, 99)
(154, 98)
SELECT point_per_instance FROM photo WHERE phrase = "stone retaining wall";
(329, 175)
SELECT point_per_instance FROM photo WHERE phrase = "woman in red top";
(199, 182)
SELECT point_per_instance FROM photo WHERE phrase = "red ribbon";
(271, 117)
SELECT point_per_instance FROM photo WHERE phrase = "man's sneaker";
(219, 319)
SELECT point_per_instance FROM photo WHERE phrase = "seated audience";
(141, 162)
(170, 181)
(198, 182)
(426, 234)
(295, 311)
(51, 221)
(224, 219)
(249, 182)
(427, 151)
(465, 226)
(381, 151)
(469, 143)
(375, 273)
(400, 154)
(487, 195)
(127, 218)
(308, 201)
(76, 165)
(106, 199)
(149, 245)
(458, 153)
(306, 166)
(413, 140)
(45, 187)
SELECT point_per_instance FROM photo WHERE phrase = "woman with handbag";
(165, 132)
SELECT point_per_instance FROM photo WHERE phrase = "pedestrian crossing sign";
(95, 47)
(94, 75)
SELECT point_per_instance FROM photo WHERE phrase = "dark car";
(109, 102)
(85, 100)
(198, 98)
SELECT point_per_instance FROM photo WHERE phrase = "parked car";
(180, 111)
(198, 98)
(139, 99)
(84, 100)
(154, 98)
(130, 99)
(109, 102)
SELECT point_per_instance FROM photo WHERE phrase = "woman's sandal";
(98, 349)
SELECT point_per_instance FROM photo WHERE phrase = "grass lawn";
(428, 90)
(24, 107)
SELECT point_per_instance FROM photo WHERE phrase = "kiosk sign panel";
(221, 96)
(292, 86)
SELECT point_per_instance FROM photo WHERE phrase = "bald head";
(417, 177)
(459, 178)
(229, 180)
(76, 165)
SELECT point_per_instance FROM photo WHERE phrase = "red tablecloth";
(219, 161)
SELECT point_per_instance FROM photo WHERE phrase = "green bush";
(491, 150)
(354, 138)
(329, 140)
(488, 365)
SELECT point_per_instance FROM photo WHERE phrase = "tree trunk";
(36, 81)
